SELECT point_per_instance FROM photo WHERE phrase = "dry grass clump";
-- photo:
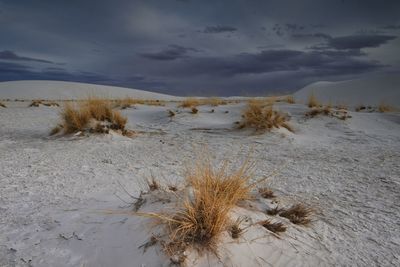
(319, 111)
(290, 99)
(189, 102)
(266, 192)
(127, 102)
(274, 211)
(171, 113)
(341, 114)
(312, 101)
(194, 110)
(213, 101)
(298, 214)
(2, 105)
(385, 108)
(276, 227)
(204, 214)
(263, 118)
(235, 229)
(37, 103)
(94, 115)
(360, 108)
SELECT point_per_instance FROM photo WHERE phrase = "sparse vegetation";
(189, 103)
(298, 214)
(127, 102)
(312, 101)
(274, 211)
(37, 103)
(328, 111)
(263, 118)
(93, 115)
(275, 227)
(2, 105)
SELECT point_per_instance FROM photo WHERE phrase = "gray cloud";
(219, 29)
(359, 41)
(173, 52)
(10, 55)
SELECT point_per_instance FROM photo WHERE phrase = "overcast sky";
(199, 47)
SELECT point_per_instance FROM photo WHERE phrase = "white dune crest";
(367, 91)
(58, 90)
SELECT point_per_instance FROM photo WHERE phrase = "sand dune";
(57, 90)
(368, 91)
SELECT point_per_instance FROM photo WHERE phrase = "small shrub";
(35, 103)
(290, 99)
(194, 110)
(385, 108)
(359, 108)
(312, 101)
(171, 113)
(265, 192)
(274, 211)
(298, 214)
(276, 227)
(118, 120)
(153, 184)
(235, 229)
(263, 118)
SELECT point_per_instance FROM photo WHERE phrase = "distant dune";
(368, 91)
(57, 90)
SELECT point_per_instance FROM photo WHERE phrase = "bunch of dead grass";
(263, 118)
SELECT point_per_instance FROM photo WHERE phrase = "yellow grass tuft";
(78, 117)
(213, 101)
(383, 107)
(204, 215)
(312, 101)
(263, 118)
(189, 103)
(290, 99)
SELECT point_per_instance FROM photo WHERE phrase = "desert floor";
(55, 191)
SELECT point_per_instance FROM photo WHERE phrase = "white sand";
(373, 91)
(53, 191)
(56, 90)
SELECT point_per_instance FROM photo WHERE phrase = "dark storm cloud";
(127, 42)
(171, 53)
(10, 55)
(359, 41)
(269, 61)
(391, 27)
(219, 29)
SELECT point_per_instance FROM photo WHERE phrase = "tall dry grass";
(313, 101)
(189, 103)
(204, 215)
(81, 116)
(383, 107)
(263, 118)
(290, 99)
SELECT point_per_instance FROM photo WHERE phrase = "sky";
(199, 47)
